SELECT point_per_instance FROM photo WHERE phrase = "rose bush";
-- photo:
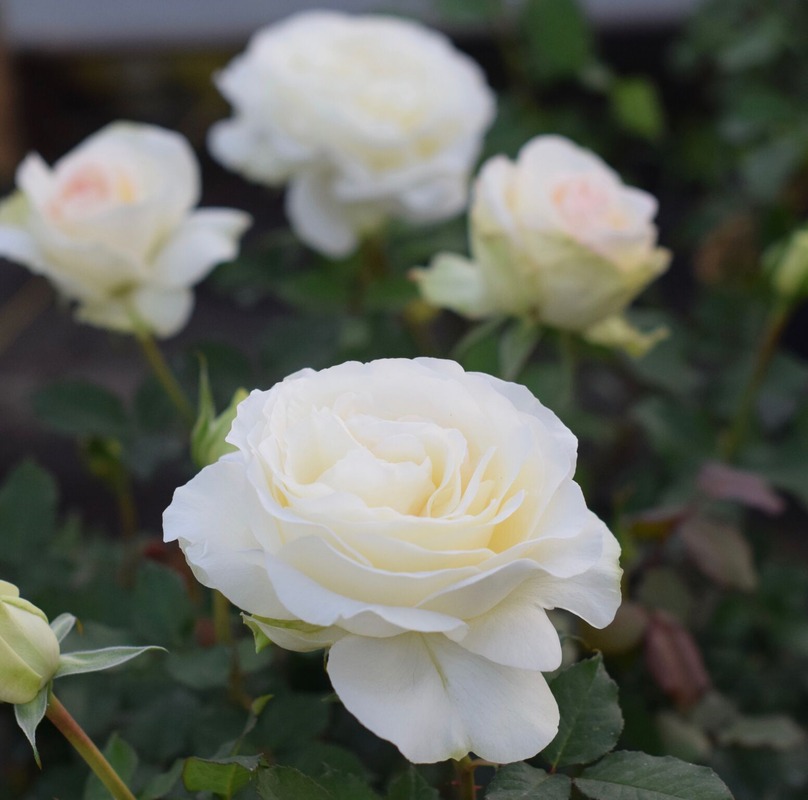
(419, 521)
(29, 649)
(365, 117)
(111, 226)
(555, 236)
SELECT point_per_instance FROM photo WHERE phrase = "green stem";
(373, 266)
(464, 779)
(733, 438)
(221, 619)
(166, 377)
(566, 346)
(74, 734)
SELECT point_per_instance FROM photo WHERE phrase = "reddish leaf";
(722, 482)
(674, 660)
(720, 551)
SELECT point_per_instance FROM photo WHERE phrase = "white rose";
(111, 225)
(365, 117)
(558, 237)
(419, 521)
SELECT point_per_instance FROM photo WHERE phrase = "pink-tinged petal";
(435, 700)
(211, 519)
(206, 238)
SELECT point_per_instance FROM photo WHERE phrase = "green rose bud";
(787, 265)
(208, 443)
(29, 649)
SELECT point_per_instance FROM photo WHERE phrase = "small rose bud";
(208, 443)
(29, 649)
(787, 265)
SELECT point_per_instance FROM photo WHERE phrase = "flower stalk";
(85, 747)
(165, 376)
(734, 437)
(464, 779)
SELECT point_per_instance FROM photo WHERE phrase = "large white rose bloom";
(419, 521)
(558, 237)
(366, 118)
(112, 226)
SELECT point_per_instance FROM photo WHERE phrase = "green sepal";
(82, 661)
(29, 715)
(62, 625)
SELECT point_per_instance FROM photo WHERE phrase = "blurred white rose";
(555, 236)
(111, 225)
(419, 521)
(366, 118)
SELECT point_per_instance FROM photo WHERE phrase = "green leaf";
(286, 783)
(79, 662)
(222, 776)
(159, 786)
(558, 37)
(200, 669)
(160, 605)
(523, 782)
(775, 731)
(591, 720)
(123, 758)
(516, 345)
(637, 107)
(346, 786)
(27, 512)
(410, 785)
(81, 409)
(29, 715)
(637, 776)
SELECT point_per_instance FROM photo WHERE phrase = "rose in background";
(366, 118)
(112, 225)
(29, 649)
(419, 521)
(555, 237)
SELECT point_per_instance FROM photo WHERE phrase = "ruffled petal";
(594, 595)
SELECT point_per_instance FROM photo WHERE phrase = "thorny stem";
(733, 438)
(165, 376)
(74, 734)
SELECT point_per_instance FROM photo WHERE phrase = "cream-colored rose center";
(412, 466)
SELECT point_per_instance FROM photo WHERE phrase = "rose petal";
(435, 700)
(204, 239)
(210, 517)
